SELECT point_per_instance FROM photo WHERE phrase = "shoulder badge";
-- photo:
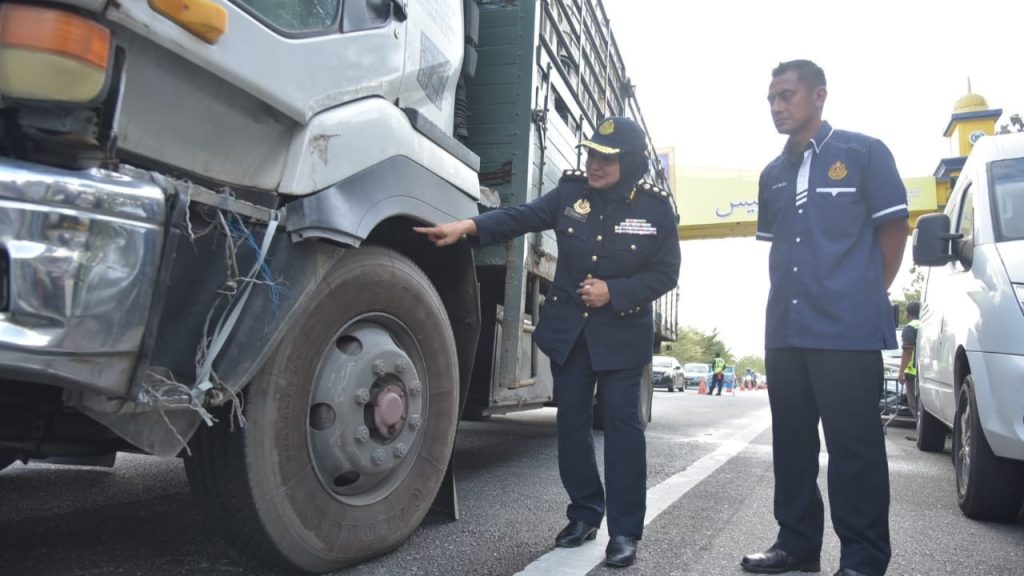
(573, 175)
(652, 189)
(837, 171)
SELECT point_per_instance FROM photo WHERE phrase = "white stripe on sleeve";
(888, 211)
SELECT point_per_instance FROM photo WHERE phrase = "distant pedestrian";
(835, 210)
(717, 373)
(908, 363)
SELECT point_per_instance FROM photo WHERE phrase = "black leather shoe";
(848, 572)
(621, 551)
(775, 561)
(574, 534)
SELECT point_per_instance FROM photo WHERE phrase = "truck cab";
(206, 244)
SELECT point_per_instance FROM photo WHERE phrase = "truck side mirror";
(932, 240)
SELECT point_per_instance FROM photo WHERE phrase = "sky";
(894, 71)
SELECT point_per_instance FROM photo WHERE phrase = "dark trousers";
(625, 450)
(716, 380)
(913, 396)
(842, 389)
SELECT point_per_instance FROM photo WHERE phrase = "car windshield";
(1008, 195)
(662, 362)
(695, 368)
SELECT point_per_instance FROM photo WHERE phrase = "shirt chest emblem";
(579, 210)
(838, 171)
(636, 226)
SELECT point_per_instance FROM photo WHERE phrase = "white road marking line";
(580, 561)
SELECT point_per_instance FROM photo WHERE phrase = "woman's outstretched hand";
(447, 234)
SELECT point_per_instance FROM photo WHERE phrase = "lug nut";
(362, 434)
(401, 450)
(378, 457)
(415, 387)
(401, 366)
(362, 396)
(378, 367)
(414, 421)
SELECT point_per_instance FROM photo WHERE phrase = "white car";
(667, 373)
(970, 346)
(693, 373)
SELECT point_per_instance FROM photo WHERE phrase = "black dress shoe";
(775, 561)
(848, 572)
(574, 534)
(621, 551)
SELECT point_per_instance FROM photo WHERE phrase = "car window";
(695, 367)
(1007, 177)
(295, 16)
(966, 226)
(661, 361)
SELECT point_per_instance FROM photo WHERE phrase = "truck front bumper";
(79, 256)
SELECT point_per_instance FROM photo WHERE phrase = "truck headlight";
(1018, 289)
(52, 55)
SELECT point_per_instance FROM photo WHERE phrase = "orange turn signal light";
(54, 31)
(203, 18)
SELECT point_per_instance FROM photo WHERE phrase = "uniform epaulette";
(574, 175)
(652, 189)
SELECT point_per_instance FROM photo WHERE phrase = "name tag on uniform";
(636, 226)
(575, 214)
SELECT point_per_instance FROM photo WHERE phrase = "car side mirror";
(933, 241)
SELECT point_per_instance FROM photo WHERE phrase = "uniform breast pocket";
(628, 253)
(841, 207)
(571, 241)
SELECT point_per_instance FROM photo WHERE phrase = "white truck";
(970, 346)
(206, 247)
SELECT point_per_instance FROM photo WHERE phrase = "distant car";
(730, 376)
(693, 373)
(668, 373)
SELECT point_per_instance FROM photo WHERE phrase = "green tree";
(911, 293)
(755, 363)
(693, 345)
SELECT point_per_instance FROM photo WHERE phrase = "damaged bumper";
(79, 257)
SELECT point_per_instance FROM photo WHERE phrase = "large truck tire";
(988, 487)
(350, 423)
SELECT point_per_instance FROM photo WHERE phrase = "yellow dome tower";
(971, 119)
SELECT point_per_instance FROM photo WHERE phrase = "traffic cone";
(703, 389)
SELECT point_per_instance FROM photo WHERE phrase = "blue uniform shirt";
(628, 240)
(820, 211)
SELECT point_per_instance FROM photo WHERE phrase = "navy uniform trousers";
(842, 389)
(625, 449)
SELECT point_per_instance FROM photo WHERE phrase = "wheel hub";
(365, 411)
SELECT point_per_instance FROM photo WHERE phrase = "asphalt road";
(709, 502)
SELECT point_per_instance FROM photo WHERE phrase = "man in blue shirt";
(618, 251)
(835, 210)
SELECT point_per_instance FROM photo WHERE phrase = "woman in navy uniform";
(618, 251)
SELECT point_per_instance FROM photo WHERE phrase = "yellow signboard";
(721, 202)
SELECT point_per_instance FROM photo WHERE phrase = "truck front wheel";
(350, 423)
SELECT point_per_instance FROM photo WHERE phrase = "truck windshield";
(1008, 195)
(295, 16)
